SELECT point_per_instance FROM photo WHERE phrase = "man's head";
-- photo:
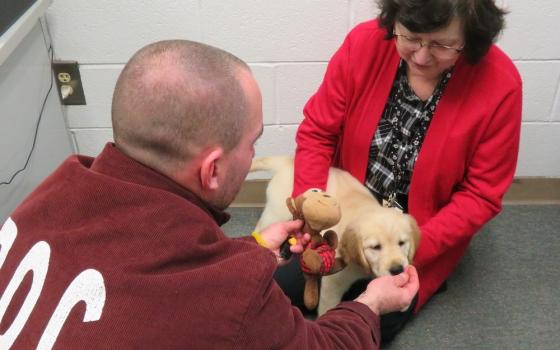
(186, 109)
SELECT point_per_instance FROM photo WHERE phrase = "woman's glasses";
(437, 50)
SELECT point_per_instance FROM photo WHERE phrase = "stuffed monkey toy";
(319, 211)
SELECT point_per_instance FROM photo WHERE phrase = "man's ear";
(209, 169)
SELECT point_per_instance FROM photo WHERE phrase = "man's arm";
(271, 321)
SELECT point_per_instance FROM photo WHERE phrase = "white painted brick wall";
(287, 44)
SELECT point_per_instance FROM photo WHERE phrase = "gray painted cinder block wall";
(287, 44)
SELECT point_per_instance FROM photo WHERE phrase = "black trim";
(11, 11)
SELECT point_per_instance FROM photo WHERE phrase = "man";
(125, 249)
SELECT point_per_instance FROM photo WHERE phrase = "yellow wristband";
(257, 236)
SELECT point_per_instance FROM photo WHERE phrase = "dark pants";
(291, 280)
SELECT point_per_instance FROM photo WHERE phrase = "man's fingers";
(293, 225)
(296, 249)
(305, 238)
(412, 272)
(401, 279)
(302, 241)
(413, 283)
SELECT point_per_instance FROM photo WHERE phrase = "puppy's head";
(382, 243)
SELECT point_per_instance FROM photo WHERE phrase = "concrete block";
(276, 140)
(540, 85)
(296, 83)
(361, 11)
(531, 29)
(556, 107)
(91, 141)
(540, 151)
(265, 76)
(273, 31)
(99, 83)
(106, 31)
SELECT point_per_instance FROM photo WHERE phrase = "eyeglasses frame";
(428, 45)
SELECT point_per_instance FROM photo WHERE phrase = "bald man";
(125, 250)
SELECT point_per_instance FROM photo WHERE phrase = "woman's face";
(425, 62)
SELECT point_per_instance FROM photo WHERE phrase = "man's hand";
(275, 234)
(391, 293)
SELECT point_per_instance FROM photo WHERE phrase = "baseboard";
(524, 190)
(534, 190)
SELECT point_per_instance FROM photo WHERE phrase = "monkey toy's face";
(319, 209)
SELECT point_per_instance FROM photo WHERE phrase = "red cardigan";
(150, 264)
(468, 157)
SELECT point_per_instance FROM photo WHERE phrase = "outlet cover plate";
(68, 73)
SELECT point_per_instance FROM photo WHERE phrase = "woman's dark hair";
(482, 20)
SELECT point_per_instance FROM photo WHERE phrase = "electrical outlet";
(69, 82)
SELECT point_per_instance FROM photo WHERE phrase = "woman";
(422, 108)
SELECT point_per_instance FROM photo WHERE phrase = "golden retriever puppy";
(374, 240)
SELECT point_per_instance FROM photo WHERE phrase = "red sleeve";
(272, 323)
(249, 238)
(318, 134)
(478, 198)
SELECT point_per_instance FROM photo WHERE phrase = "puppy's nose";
(395, 270)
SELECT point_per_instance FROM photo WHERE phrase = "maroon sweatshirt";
(107, 253)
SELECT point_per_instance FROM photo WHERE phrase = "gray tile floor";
(505, 294)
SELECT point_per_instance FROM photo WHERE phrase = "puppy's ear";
(414, 237)
(352, 249)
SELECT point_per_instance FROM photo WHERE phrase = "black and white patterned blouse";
(399, 136)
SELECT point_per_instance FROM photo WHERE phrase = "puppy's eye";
(401, 243)
(376, 247)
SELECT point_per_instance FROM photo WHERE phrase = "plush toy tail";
(311, 292)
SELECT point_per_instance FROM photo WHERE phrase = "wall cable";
(51, 51)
